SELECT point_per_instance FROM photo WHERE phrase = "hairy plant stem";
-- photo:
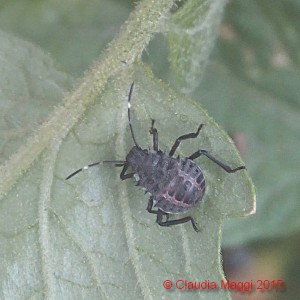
(144, 21)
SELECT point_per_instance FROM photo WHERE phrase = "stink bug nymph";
(175, 185)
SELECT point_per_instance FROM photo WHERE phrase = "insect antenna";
(129, 115)
(117, 163)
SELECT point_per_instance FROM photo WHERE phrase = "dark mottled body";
(176, 185)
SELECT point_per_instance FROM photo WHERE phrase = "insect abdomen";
(176, 185)
(184, 191)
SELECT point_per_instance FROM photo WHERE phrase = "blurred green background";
(251, 86)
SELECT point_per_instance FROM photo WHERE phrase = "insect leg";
(184, 137)
(216, 161)
(150, 205)
(175, 222)
(151, 211)
(124, 176)
(154, 132)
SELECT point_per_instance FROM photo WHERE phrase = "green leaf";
(90, 237)
(121, 53)
(191, 35)
(92, 234)
(67, 30)
(253, 89)
(30, 88)
(106, 211)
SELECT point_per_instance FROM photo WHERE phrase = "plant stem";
(144, 21)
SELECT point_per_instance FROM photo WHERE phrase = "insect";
(175, 185)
